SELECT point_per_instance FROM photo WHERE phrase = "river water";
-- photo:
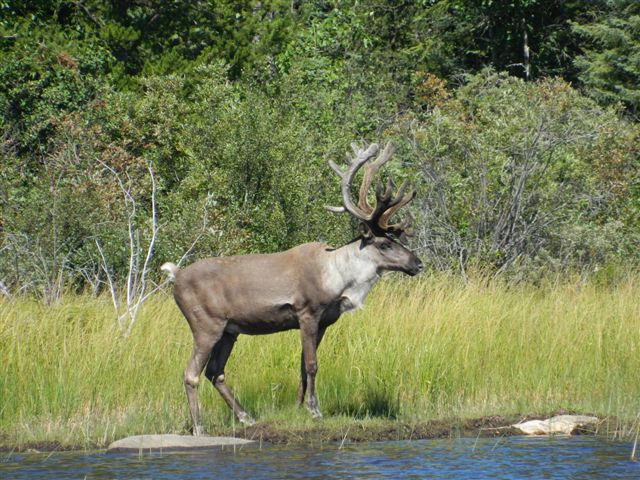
(506, 458)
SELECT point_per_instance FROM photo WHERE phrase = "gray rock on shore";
(171, 442)
(558, 425)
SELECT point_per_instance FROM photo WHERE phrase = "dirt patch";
(362, 431)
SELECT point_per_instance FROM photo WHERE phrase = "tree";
(46, 73)
(609, 67)
(456, 36)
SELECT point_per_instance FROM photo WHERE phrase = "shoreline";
(391, 430)
(355, 431)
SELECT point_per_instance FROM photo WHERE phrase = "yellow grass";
(420, 349)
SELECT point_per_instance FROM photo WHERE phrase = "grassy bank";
(424, 349)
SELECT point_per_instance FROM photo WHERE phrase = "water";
(508, 458)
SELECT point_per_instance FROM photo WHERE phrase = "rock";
(561, 424)
(171, 442)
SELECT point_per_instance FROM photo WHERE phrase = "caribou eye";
(385, 246)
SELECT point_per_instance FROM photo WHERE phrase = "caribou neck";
(352, 274)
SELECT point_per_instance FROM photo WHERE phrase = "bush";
(514, 173)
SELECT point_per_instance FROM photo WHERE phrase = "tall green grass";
(420, 349)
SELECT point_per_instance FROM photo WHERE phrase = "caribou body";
(307, 287)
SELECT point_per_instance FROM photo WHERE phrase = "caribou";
(307, 287)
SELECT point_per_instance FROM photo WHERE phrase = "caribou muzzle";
(415, 267)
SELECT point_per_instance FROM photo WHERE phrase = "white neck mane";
(350, 275)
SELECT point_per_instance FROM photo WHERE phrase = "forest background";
(143, 131)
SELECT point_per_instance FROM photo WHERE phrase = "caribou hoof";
(246, 419)
(315, 412)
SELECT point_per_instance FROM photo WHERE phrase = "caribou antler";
(377, 218)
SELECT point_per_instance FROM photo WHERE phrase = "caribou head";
(376, 233)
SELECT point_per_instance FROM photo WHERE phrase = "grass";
(421, 349)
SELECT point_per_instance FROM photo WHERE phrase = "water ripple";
(582, 458)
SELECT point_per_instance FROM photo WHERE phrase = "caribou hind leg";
(196, 364)
(215, 374)
(207, 331)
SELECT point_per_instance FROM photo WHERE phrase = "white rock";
(560, 424)
(168, 442)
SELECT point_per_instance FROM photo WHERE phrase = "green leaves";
(238, 106)
(610, 64)
(511, 171)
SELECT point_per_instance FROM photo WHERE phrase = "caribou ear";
(365, 231)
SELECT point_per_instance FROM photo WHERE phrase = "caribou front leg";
(309, 336)
(302, 389)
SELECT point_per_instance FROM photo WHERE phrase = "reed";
(422, 349)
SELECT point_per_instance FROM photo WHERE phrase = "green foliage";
(516, 174)
(46, 73)
(343, 54)
(162, 37)
(238, 106)
(237, 172)
(452, 37)
(52, 217)
(610, 64)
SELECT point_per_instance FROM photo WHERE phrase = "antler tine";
(404, 225)
(336, 168)
(387, 204)
(396, 204)
(370, 171)
(347, 176)
(401, 229)
(383, 200)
